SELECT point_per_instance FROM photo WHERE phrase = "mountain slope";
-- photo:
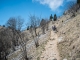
(69, 30)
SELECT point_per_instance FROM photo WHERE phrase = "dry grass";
(70, 30)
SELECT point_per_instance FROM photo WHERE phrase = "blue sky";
(23, 8)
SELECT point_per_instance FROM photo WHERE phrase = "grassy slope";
(70, 31)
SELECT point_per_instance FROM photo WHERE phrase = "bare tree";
(15, 23)
(20, 23)
(18, 39)
(35, 22)
(23, 44)
(36, 42)
(43, 25)
(38, 21)
(5, 43)
(11, 23)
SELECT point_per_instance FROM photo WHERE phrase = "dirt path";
(51, 51)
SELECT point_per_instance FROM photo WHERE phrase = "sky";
(23, 8)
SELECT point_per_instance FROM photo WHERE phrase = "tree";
(36, 41)
(55, 17)
(23, 45)
(78, 1)
(11, 23)
(35, 22)
(43, 25)
(3, 25)
(4, 44)
(7, 41)
(20, 23)
(28, 28)
(15, 23)
(51, 17)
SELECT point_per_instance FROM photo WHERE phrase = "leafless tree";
(34, 23)
(23, 44)
(20, 23)
(11, 23)
(5, 43)
(43, 25)
(36, 42)
(15, 24)
(8, 41)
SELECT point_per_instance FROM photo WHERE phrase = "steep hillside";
(61, 45)
(69, 30)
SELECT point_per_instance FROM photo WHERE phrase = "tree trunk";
(35, 32)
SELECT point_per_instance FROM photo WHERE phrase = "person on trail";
(54, 28)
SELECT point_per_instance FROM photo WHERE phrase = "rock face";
(69, 29)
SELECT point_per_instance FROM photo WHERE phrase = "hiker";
(54, 28)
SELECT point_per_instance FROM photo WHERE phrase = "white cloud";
(52, 4)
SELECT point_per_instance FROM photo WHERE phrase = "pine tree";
(55, 17)
(78, 1)
(28, 28)
(51, 17)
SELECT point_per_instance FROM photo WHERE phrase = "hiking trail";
(51, 50)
